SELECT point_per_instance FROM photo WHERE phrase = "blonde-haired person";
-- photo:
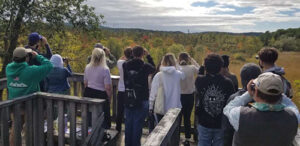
(170, 77)
(97, 82)
(190, 68)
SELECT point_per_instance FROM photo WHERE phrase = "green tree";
(54, 16)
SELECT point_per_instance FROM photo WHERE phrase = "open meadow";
(291, 63)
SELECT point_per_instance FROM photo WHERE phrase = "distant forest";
(77, 45)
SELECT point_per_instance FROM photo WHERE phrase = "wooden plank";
(5, 127)
(95, 138)
(95, 114)
(17, 124)
(61, 124)
(75, 87)
(69, 98)
(165, 130)
(29, 123)
(82, 89)
(72, 114)
(50, 140)
(41, 121)
(114, 101)
(36, 135)
(22, 99)
(84, 124)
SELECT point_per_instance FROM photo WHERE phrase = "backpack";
(287, 87)
(132, 89)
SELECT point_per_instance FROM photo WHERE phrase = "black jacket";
(213, 92)
(144, 69)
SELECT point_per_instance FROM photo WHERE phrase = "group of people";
(260, 113)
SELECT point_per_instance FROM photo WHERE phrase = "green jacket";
(23, 79)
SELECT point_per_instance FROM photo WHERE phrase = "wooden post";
(29, 123)
(84, 125)
(75, 88)
(72, 114)
(41, 121)
(50, 140)
(36, 135)
(61, 124)
(5, 127)
(17, 125)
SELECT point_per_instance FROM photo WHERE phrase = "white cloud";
(180, 15)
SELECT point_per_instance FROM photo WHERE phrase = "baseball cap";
(21, 52)
(98, 45)
(34, 37)
(269, 83)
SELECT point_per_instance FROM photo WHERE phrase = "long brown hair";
(184, 59)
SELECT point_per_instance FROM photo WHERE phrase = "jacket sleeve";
(111, 61)
(42, 70)
(68, 71)
(233, 108)
(150, 66)
(291, 106)
(48, 54)
(153, 92)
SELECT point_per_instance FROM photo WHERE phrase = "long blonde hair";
(98, 58)
(168, 60)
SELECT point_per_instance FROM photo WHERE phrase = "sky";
(200, 15)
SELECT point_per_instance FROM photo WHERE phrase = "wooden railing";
(166, 132)
(38, 110)
(77, 85)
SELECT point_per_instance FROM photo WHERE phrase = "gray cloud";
(142, 14)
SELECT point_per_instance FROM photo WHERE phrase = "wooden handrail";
(167, 131)
(40, 107)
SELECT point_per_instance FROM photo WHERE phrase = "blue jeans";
(134, 121)
(209, 136)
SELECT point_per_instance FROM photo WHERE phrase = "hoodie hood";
(57, 61)
(15, 69)
(168, 69)
(276, 70)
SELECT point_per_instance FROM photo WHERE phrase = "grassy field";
(289, 61)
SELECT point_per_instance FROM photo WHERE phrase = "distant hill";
(177, 32)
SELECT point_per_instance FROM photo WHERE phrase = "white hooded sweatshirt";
(170, 78)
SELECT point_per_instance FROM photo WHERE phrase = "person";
(97, 82)
(225, 72)
(169, 77)
(110, 59)
(23, 79)
(190, 68)
(271, 120)
(121, 88)
(267, 57)
(136, 73)
(248, 72)
(57, 79)
(213, 90)
(35, 43)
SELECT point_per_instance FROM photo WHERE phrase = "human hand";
(34, 54)
(44, 41)
(251, 88)
(66, 60)
(107, 51)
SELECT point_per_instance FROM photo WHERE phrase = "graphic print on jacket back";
(213, 100)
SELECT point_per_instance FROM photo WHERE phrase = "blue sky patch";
(237, 10)
(204, 4)
(290, 13)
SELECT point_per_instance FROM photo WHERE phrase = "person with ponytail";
(97, 82)
(190, 68)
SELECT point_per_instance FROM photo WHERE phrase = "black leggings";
(93, 93)
(187, 102)
(120, 110)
